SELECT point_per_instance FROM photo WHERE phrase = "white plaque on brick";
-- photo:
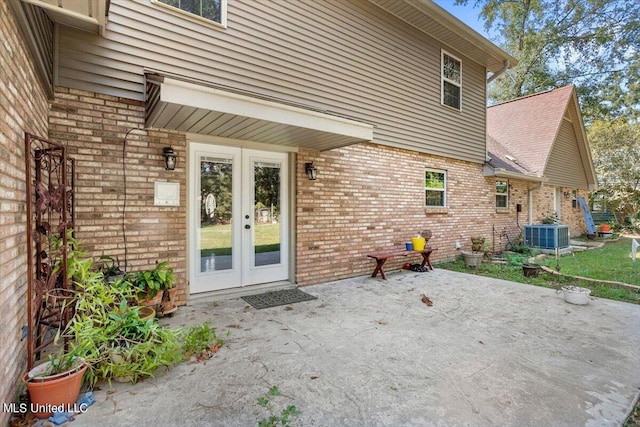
(166, 194)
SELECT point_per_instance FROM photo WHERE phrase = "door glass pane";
(216, 235)
(266, 236)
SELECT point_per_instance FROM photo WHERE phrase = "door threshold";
(232, 293)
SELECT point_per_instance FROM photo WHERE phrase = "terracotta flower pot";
(169, 302)
(51, 393)
(153, 302)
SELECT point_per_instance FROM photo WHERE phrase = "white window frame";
(505, 194)
(443, 190)
(444, 80)
(177, 10)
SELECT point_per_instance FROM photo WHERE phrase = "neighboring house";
(387, 100)
(538, 152)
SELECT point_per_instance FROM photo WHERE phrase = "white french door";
(239, 221)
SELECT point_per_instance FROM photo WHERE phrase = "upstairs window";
(435, 188)
(502, 194)
(211, 10)
(451, 81)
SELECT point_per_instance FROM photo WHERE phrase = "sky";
(466, 14)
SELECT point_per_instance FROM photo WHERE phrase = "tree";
(594, 44)
(615, 146)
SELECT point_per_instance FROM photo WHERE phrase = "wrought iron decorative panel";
(50, 220)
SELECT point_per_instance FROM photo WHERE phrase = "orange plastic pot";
(605, 227)
(54, 393)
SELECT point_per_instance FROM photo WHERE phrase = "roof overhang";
(87, 15)
(433, 20)
(198, 108)
(503, 173)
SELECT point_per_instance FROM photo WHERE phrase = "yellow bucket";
(418, 243)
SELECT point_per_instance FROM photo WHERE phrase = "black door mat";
(276, 298)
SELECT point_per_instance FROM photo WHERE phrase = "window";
(212, 10)
(502, 194)
(574, 199)
(435, 188)
(451, 81)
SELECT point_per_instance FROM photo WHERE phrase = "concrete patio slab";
(369, 352)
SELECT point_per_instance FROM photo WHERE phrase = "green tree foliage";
(267, 187)
(615, 145)
(594, 44)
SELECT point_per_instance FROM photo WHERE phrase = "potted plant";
(474, 257)
(151, 284)
(112, 333)
(54, 386)
(136, 348)
(111, 269)
(169, 301)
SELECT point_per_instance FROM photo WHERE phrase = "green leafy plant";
(149, 282)
(285, 415)
(551, 218)
(111, 266)
(112, 335)
(106, 331)
(516, 259)
(521, 248)
(61, 362)
(200, 341)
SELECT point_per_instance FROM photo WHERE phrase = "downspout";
(530, 201)
(505, 67)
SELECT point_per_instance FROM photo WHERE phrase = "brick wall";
(543, 206)
(509, 220)
(23, 108)
(93, 127)
(369, 197)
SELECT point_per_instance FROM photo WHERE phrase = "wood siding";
(565, 166)
(349, 58)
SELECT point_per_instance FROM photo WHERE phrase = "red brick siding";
(23, 108)
(93, 127)
(370, 197)
(509, 220)
(543, 206)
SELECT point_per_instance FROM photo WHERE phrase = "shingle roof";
(524, 129)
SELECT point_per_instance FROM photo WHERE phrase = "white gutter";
(505, 66)
(502, 173)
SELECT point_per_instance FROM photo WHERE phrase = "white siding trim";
(208, 98)
(223, 13)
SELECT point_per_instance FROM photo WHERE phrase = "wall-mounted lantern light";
(311, 171)
(169, 158)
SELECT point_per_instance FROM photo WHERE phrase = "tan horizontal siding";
(350, 58)
(564, 167)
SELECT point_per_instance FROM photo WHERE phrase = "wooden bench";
(382, 257)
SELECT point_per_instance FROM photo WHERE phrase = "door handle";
(247, 226)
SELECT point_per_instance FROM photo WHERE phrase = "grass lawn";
(611, 262)
(216, 239)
